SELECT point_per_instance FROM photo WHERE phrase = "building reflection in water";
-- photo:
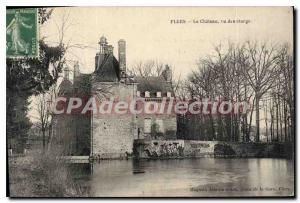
(138, 166)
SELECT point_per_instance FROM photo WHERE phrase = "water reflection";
(188, 177)
(138, 166)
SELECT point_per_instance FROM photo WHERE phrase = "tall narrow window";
(158, 94)
(147, 94)
(160, 125)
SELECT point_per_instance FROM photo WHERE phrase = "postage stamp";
(22, 33)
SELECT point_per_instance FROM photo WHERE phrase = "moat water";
(188, 177)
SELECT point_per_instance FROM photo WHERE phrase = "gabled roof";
(153, 85)
(109, 70)
(65, 88)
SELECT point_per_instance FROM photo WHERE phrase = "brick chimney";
(122, 57)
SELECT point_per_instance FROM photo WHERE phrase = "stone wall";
(112, 137)
(157, 149)
(113, 134)
(169, 125)
(193, 148)
(62, 136)
(173, 148)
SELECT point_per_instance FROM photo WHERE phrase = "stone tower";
(122, 57)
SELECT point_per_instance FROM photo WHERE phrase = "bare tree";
(283, 97)
(261, 71)
(220, 76)
(251, 70)
(147, 68)
(151, 68)
(44, 116)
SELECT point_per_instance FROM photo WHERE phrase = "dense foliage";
(27, 77)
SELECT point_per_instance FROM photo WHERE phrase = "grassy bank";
(42, 175)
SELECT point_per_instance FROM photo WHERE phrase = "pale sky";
(149, 35)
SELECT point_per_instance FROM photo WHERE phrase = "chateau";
(112, 136)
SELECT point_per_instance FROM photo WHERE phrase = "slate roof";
(65, 88)
(82, 84)
(153, 85)
(109, 70)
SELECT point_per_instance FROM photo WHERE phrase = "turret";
(66, 73)
(110, 49)
(76, 70)
(167, 74)
(102, 51)
(103, 44)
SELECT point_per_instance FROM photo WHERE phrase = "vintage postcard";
(150, 102)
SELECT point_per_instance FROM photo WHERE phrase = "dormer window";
(158, 94)
(138, 93)
(147, 94)
(169, 94)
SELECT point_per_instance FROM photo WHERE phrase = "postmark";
(22, 33)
